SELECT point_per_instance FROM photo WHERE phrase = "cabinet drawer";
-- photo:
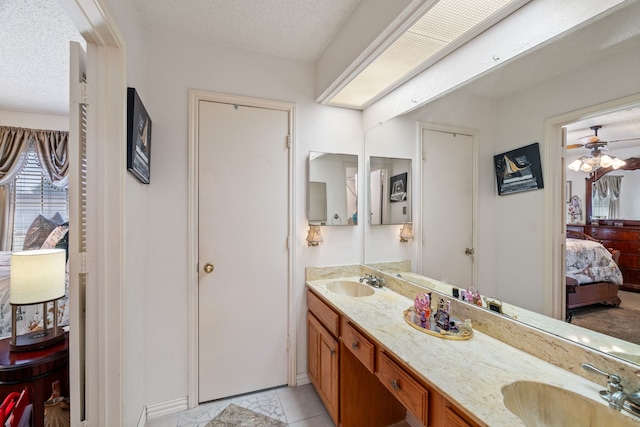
(324, 313)
(403, 386)
(612, 233)
(629, 261)
(630, 275)
(624, 246)
(359, 345)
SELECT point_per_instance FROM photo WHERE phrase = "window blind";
(34, 195)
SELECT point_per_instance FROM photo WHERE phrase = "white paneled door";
(447, 207)
(243, 181)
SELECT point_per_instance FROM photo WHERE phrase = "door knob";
(468, 251)
(208, 267)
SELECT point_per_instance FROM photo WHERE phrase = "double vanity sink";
(490, 382)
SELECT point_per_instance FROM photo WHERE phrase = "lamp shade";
(37, 276)
(406, 232)
(314, 238)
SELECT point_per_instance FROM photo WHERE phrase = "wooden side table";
(37, 370)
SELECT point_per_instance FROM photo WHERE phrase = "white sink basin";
(539, 404)
(350, 288)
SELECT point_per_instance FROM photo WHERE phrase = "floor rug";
(620, 322)
(237, 416)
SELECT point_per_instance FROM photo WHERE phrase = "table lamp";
(37, 277)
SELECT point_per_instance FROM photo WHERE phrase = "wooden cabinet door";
(323, 359)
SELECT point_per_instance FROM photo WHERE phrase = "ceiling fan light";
(617, 163)
(575, 165)
(606, 161)
(586, 167)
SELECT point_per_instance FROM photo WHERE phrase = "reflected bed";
(592, 273)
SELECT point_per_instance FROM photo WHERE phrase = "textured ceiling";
(296, 29)
(34, 56)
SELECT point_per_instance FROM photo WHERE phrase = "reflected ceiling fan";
(593, 142)
(597, 159)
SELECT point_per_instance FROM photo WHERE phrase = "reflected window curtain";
(609, 186)
(615, 182)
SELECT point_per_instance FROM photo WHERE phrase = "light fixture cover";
(406, 232)
(37, 276)
(314, 238)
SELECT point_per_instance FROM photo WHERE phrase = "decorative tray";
(458, 330)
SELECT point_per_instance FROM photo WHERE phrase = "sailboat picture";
(519, 170)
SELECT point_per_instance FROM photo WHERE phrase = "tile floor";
(296, 406)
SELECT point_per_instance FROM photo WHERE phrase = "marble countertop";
(468, 373)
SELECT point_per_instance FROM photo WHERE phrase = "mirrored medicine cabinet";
(332, 189)
(389, 188)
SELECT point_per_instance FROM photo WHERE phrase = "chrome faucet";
(372, 280)
(617, 398)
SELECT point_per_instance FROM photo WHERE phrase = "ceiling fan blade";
(626, 139)
(589, 138)
(570, 146)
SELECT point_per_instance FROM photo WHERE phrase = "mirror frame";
(633, 163)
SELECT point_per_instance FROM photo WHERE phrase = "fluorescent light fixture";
(446, 25)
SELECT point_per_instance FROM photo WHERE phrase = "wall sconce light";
(406, 232)
(36, 277)
(314, 238)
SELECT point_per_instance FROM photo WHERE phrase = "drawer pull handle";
(395, 385)
(355, 345)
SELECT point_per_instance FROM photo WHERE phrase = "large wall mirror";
(332, 189)
(510, 107)
(389, 191)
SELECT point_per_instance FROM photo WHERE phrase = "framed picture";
(398, 185)
(518, 170)
(138, 138)
(567, 192)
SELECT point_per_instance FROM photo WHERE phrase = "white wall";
(174, 66)
(33, 121)
(394, 138)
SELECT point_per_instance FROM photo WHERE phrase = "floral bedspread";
(589, 262)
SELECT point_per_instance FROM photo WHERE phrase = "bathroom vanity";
(371, 368)
(361, 382)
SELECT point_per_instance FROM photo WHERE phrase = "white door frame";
(104, 403)
(473, 133)
(554, 202)
(195, 96)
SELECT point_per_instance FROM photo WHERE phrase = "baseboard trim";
(302, 379)
(166, 408)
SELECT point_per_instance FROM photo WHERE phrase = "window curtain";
(609, 186)
(15, 143)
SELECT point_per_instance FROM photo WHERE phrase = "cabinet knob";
(355, 345)
(333, 352)
(395, 385)
(208, 267)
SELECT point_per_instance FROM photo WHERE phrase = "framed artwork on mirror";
(519, 170)
(398, 185)
(138, 138)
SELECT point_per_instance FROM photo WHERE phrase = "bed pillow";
(55, 237)
(38, 232)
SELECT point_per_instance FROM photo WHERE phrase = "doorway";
(240, 294)
(556, 198)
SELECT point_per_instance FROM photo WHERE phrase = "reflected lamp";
(37, 277)
(406, 232)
